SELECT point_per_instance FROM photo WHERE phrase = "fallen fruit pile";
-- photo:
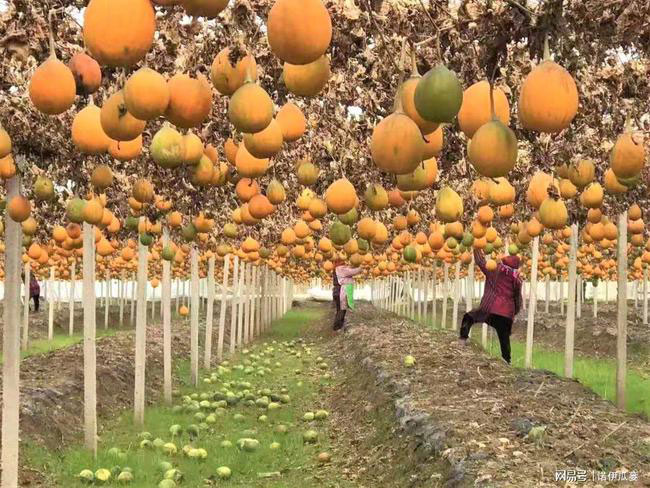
(248, 418)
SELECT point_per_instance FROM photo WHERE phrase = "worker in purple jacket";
(500, 303)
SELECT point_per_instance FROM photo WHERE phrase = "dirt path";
(476, 412)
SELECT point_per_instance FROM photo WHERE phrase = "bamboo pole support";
(166, 293)
(207, 359)
(27, 269)
(445, 295)
(11, 344)
(547, 286)
(107, 300)
(645, 295)
(454, 314)
(89, 344)
(50, 306)
(140, 336)
(571, 304)
(194, 316)
(434, 300)
(241, 305)
(222, 308)
(134, 296)
(530, 328)
(73, 281)
(233, 305)
(621, 315)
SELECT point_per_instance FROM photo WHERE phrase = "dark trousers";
(339, 319)
(36, 302)
(503, 326)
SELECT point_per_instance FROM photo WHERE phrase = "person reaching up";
(345, 278)
(501, 301)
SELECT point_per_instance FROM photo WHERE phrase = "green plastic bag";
(349, 295)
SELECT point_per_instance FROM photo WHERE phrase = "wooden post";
(426, 283)
(412, 295)
(178, 295)
(265, 292)
(548, 291)
(272, 300)
(388, 291)
(253, 298)
(27, 270)
(90, 351)
(140, 336)
(285, 284)
(434, 298)
(245, 333)
(532, 305)
(265, 299)
(595, 299)
(121, 298)
(107, 298)
(454, 315)
(241, 304)
(222, 309)
(257, 318)
(73, 282)
(403, 296)
(11, 344)
(166, 294)
(420, 295)
(233, 305)
(134, 297)
(50, 317)
(153, 296)
(58, 295)
(445, 294)
(579, 297)
(621, 316)
(277, 296)
(645, 294)
(571, 304)
(194, 317)
(397, 300)
(207, 359)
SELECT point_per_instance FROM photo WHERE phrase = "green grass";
(597, 374)
(293, 367)
(44, 346)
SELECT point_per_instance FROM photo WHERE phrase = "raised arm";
(479, 259)
(346, 272)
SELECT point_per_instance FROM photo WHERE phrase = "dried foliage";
(604, 44)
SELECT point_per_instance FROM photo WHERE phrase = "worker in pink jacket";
(500, 303)
(344, 277)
